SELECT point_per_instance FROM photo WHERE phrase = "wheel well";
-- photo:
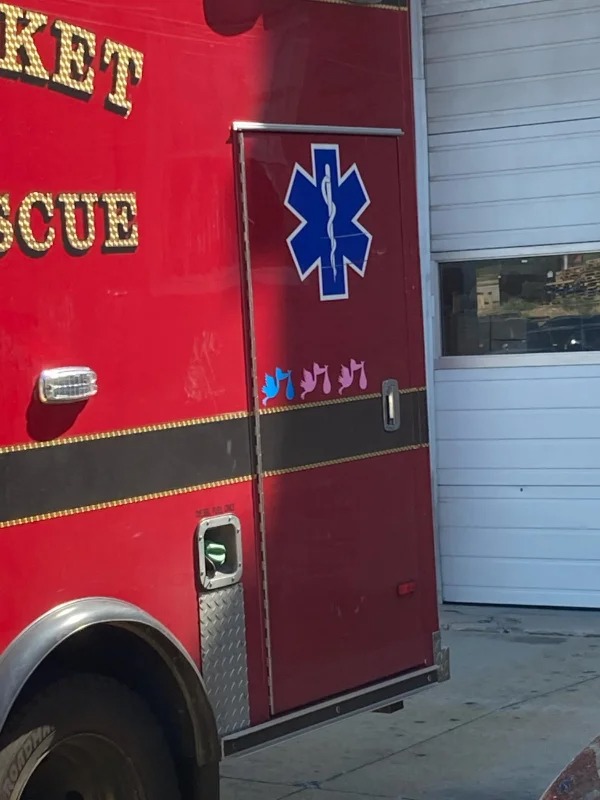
(128, 654)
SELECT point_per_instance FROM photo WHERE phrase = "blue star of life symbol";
(329, 238)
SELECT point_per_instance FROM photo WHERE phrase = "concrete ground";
(523, 699)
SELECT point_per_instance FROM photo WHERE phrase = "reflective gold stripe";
(79, 497)
(69, 512)
(186, 423)
(348, 459)
(335, 401)
(91, 437)
(124, 502)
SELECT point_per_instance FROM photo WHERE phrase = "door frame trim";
(240, 126)
(242, 199)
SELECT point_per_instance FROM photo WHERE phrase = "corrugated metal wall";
(513, 95)
(519, 485)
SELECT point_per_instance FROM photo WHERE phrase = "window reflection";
(546, 304)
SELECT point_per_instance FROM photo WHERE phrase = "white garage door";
(513, 97)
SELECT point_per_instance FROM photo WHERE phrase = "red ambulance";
(215, 510)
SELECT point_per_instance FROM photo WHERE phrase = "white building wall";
(513, 117)
(513, 98)
(519, 484)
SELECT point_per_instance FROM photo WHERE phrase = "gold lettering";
(7, 235)
(44, 201)
(70, 201)
(20, 53)
(121, 227)
(129, 63)
(77, 48)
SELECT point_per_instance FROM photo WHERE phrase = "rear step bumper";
(370, 698)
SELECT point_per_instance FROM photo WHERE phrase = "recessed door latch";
(391, 404)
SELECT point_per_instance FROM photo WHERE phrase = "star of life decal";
(329, 238)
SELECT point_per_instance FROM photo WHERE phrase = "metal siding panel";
(502, 106)
(501, 28)
(513, 101)
(536, 63)
(549, 220)
(519, 484)
(432, 8)
(555, 479)
(500, 595)
(500, 186)
(520, 373)
(544, 514)
(568, 237)
(524, 454)
(536, 148)
(513, 98)
(515, 573)
(532, 423)
(524, 394)
(522, 491)
(521, 543)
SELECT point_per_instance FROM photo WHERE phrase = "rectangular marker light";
(67, 384)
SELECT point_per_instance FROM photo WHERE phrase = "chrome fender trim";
(27, 652)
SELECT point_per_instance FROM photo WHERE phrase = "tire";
(85, 737)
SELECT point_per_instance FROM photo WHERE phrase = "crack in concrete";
(458, 620)
(296, 789)
(435, 736)
(348, 792)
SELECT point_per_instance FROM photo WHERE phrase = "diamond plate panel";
(224, 664)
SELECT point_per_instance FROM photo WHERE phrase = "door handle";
(391, 404)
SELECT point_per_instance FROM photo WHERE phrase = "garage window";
(544, 304)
